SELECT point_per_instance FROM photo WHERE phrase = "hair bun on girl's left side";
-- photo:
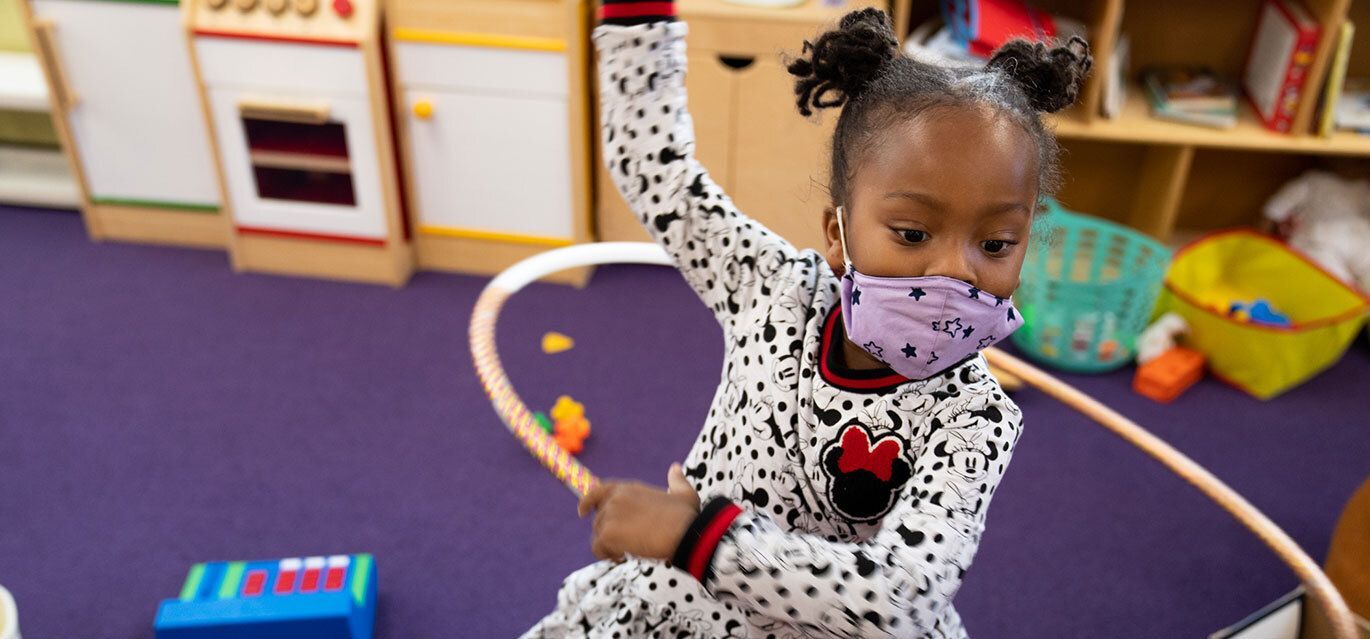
(1049, 77)
(843, 62)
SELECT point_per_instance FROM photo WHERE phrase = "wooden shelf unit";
(1167, 178)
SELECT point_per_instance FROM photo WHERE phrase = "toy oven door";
(300, 165)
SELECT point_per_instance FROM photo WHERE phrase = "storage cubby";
(1229, 188)
(1160, 176)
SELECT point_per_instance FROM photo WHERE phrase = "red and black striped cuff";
(630, 12)
(695, 554)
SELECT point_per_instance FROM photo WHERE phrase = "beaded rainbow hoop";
(575, 476)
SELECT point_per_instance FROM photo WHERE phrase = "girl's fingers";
(604, 550)
(594, 498)
(598, 523)
(677, 484)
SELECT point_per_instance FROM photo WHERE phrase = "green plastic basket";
(1088, 290)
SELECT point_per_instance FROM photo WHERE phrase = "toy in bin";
(295, 598)
(1315, 316)
(1257, 312)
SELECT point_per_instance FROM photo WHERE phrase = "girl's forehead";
(953, 152)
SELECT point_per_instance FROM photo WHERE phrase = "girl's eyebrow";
(1007, 207)
(921, 198)
(934, 203)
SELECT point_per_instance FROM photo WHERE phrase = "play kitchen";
(493, 107)
(308, 141)
(296, 97)
(126, 112)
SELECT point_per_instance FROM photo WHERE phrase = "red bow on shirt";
(857, 454)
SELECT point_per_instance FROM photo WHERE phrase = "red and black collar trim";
(835, 371)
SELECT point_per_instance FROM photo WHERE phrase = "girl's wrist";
(631, 12)
(695, 552)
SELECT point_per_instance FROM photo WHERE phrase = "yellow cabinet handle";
(423, 109)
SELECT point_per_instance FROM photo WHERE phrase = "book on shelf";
(1353, 106)
(1115, 82)
(1277, 64)
(1336, 76)
(1191, 95)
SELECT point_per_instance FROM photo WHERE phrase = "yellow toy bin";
(1241, 265)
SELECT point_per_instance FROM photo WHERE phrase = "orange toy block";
(575, 427)
(1164, 378)
(571, 443)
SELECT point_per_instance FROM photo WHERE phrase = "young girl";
(856, 437)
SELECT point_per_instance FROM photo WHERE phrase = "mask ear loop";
(842, 235)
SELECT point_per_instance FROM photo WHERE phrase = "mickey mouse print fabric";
(838, 503)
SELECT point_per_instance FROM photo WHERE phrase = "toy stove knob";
(277, 7)
(245, 5)
(216, 4)
(343, 8)
(306, 7)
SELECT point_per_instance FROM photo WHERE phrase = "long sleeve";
(731, 261)
(898, 582)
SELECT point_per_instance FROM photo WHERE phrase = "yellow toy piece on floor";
(554, 342)
(567, 408)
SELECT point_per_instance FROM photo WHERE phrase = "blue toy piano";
(296, 598)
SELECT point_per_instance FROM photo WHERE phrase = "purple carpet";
(157, 410)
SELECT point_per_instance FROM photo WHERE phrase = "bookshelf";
(1172, 180)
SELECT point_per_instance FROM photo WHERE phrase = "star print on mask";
(933, 359)
(917, 294)
(986, 342)
(998, 301)
(974, 293)
(874, 350)
(909, 350)
(855, 296)
(1011, 316)
(950, 327)
(966, 333)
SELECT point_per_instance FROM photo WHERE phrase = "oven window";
(328, 139)
(304, 186)
(300, 161)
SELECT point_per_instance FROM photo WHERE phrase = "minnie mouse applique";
(865, 472)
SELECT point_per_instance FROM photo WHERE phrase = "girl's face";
(950, 192)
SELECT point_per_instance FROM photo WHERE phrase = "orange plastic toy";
(1164, 378)
(571, 427)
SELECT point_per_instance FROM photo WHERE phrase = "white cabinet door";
(494, 163)
(137, 123)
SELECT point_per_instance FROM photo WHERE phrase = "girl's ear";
(832, 242)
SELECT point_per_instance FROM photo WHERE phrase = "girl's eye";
(995, 247)
(913, 236)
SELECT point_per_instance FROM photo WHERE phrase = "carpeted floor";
(157, 410)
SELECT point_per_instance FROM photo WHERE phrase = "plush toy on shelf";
(1327, 218)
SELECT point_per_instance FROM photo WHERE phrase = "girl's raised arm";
(648, 139)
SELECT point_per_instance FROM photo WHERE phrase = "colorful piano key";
(295, 598)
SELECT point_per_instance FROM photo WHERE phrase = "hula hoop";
(580, 480)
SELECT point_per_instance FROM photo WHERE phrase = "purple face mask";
(920, 326)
